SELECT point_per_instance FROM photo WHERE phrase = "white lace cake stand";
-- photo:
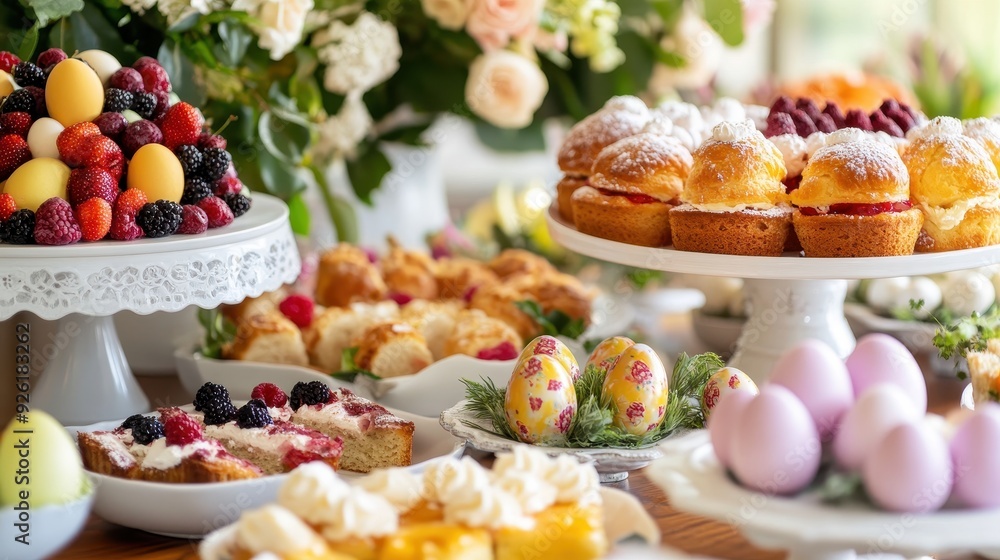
(86, 378)
(791, 298)
(695, 482)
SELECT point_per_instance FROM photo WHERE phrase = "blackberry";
(313, 392)
(238, 203)
(144, 104)
(19, 228)
(254, 414)
(28, 74)
(117, 100)
(214, 401)
(195, 189)
(160, 218)
(21, 101)
(215, 162)
(146, 430)
(131, 421)
(190, 158)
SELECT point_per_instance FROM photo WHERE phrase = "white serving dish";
(50, 528)
(917, 336)
(194, 510)
(718, 334)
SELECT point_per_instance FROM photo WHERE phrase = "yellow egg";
(540, 400)
(74, 93)
(637, 385)
(155, 170)
(726, 380)
(37, 181)
(551, 346)
(6, 84)
(40, 463)
(606, 353)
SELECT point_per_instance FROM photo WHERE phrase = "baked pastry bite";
(408, 274)
(733, 201)
(434, 320)
(987, 133)
(270, 338)
(346, 275)
(336, 329)
(500, 302)
(458, 276)
(854, 200)
(955, 184)
(263, 304)
(633, 185)
(512, 262)
(984, 371)
(619, 118)
(480, 336)
(393, 349)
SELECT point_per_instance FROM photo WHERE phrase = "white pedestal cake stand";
(791, 298)
(86, 378)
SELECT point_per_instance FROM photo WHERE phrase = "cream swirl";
(938, 126)
(358, 514)
(274, 529)
(575, 483)
(571, 480)
(627, 103)
(845, 136)
(793, 150)
(659, 125)
(488, 507)
(397, 486)
(728, 131)
(311, 489)
(451, 479)
(533, 494)
(815, 142)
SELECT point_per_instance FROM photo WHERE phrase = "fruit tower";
(90, 149)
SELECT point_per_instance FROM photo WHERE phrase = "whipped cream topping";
(399, 487)
(488, 507)
(725, 109)
(628, 103)
(815, 142)
(660, 125)
(575, 483)
(793, 151)
(310, 488)
(284, 413)
(734, 131)
(938, 126)
(948, 218)
(159, 455)
(571, 481)
(446, 479)
(845, 135)
(274, 529)
(259, 438)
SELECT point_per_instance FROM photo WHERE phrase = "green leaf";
(27, 44)
(89, 29)
(298, 214)
(726, 18)
(668, 10)
(279, 178)
(219, 331)
(235, 39)
(351, 376)
(286, 135)
(410, 135)
(347, 358)
(185, 24)
(349, 369)
(47, 11)
(342, 214)
(180, 68)
(553, 323)
(528, 139)
(366, 171)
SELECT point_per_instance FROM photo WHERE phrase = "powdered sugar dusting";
(628, 103)
(641, 155)
(659, 124)
(599, 130)
(987, 131)
(844, 136)
(865, 159)
(734, 131)
(938, 126)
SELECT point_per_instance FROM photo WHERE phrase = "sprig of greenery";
(219, 331)
(554, 323)
(349, 370)
(486, 402)
(968, 334)
(687, 384)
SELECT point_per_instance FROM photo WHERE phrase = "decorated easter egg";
(540, 401)
(37, 181)
(156, 171)
(726, 380)
(105, 64)
(42, 138)
(74, 92)
(606, 353)
(637, 386)
(551, 346)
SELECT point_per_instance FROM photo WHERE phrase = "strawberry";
(90, 182)
(15, 123)
(181, 125)
(105, 153)
(123, 226)
(94, 217)
(14, 153)
(74, 143)
(7, 206)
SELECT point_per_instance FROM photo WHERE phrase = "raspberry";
(75, 142)
(778, 124)
(902, 118)
(400, 298)
(783, 104)
(254, 414)
(804, 126)
(271, 394)
(503, 351)
(19, 229)
(808, 106)
(111, 125)
(146, 430)
(144, 104)
(214, 401)
(28, 74)
(127, 79)
(209, 140)
(140, 133)
(889, 105)
(131, 421)
(195, 189)
(181, 125)
(882, 123)
(51, 57)
(8, 61)
(313, 392)
(238, 203)
(217, 210)
(354, 408)
(144, 61)
(15, 123)
(181, 429)
(21, 101)
(193, 220)
(55, 223)
(154, 78)
(14, 153)
(7, 206)
(123, 226)
(299, 308)
(117, 100)
(856, 118)
(160, 218)
(215, 163)
(94, 217)
(228, 185)
(89, 182)
(824, 123)
(833, 111)
(190, 158)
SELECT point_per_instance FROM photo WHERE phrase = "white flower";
(450, 14)
(358, 56)
(282, 22)
(139, 6)
(505, 88)
(175, 10)
(340, 134)
(700, 47)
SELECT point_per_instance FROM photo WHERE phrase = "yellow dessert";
(438, 541)
(37, 181)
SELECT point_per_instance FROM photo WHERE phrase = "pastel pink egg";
(723, 421)
(910, 471)
(975, 455)
(879, 358)
(818, 377)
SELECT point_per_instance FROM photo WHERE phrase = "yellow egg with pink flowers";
(721, 383)
(606, 353)
(551, 346)
(540, 401)
(637, 386)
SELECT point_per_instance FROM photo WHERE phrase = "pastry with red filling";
(634, 183)
(854, 200)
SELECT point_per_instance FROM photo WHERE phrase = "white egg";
(925, 289)
(909, 470)
(718, 292)
(42, 138)
(967, 293)
(722, 424)
(883, 293)
(103, 63)
(879, 409)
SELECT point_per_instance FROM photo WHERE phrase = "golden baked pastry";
(733, 201)
(456, 276)
(499, 301)
(475, 332)
(564, 194)
(337, 328)
(261, 305)
(435, 320)
(392, 350)
(633, 185)
(955, 184)
(854, 200)
(346, 276)
(511, 262)
(270, 338)
(409, 273)
(987, 133)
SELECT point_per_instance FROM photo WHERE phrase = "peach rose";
(450, 14)
(505, 88)
(492, 23)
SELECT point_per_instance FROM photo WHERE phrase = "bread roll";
(474, 332)
(269, 338)
(346, 276)
(393, 349)
(458, 275)
(409, 273)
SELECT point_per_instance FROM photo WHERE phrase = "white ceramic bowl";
(50, 528)
(718, 334)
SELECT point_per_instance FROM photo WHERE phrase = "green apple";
(131, 116)
(39, 463)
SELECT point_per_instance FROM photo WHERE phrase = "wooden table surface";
(690, 533)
